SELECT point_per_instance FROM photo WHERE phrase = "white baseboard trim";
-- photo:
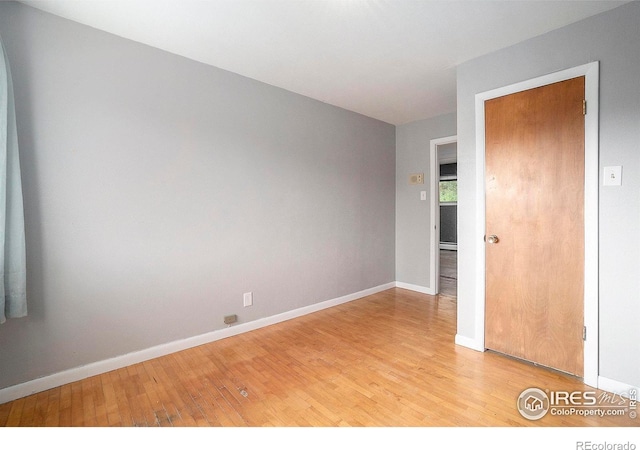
(616, 387)
(469, 343)
(79, 373)
(415, 288)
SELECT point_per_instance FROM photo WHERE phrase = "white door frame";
(591, 73)
(434, 216)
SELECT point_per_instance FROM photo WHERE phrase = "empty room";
(321, 214)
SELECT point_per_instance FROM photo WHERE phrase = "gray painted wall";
(412, 215)
(612, 38)
(158, 190)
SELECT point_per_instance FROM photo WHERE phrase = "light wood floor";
(384, 360)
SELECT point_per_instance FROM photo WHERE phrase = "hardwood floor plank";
(116, 378)
(88, 404)
(5, 409)
(110, 401)
(77, 409)
(15, 412)
(52, 416)
(65, 406)
(41, 408)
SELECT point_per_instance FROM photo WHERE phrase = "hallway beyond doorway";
(449, 273)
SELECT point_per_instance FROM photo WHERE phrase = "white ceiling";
(393, 60)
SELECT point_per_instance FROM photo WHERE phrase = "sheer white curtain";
(13, 291)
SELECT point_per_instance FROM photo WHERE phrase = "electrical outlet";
(248, 299)
(230, 319)
(416, 178)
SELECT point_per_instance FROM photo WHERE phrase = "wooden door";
(535, 207)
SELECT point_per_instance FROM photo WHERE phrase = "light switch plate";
(423, 195)
(612, 176)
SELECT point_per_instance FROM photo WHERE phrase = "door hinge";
(584, 333)
(584, 107)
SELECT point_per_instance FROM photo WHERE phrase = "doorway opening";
(444, 217)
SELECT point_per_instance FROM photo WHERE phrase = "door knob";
(493, 239)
